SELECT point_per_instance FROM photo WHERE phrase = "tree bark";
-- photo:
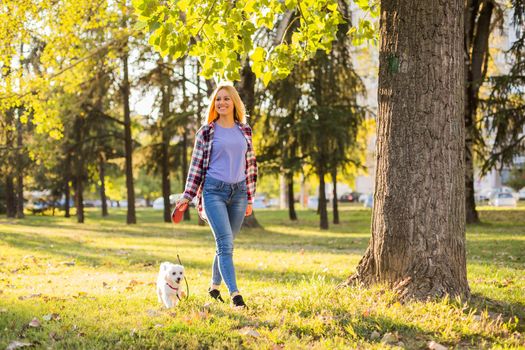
(292, 214)
(477, 32)
(335, 203)
(102, 176)
(184, 152)
(247, 93)
(9, 176)
(131, 217)
(79, 171)
(19, 170)
(67, 178)
(323, 220)
(418, 220)
(10, 196)
(165, 166)
(184, 155)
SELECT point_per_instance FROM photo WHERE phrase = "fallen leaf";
(250, 332)
(389, 338)
(68, 263)
(436, 346)
(375, 335)
(53, 316)
(152, 313)
(35, 323)
(54, 336)
(29, 296)
(366, 313)
(17, 345)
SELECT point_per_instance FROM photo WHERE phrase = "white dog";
(169, 289)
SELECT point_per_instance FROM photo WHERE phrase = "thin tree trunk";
(165, 144)
(67, 178)
(418, 221)
(102, 176)
(10, 196)
(79, 171)
(323, 223)
(335, 203)
(185, 166)
(247, 93)
(184, 152)
(291, 204)
(165, 166)
(477, 33)
(19, 169)
(9, 176)
(131, 217)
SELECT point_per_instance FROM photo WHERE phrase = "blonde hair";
(239, 111)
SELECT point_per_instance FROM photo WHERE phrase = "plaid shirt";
(200, 161)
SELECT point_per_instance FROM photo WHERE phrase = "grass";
(92, 286)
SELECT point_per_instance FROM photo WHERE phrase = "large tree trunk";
(102, 176)
(131, 217)
(418, 221)
(334, 204)
(477, 32)
(323, 219)
(19, 169)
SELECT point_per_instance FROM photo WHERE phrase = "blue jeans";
(225, 206)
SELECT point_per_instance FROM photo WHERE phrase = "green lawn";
(92, 286)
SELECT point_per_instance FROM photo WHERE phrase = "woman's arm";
(195, 173)
(251, 168)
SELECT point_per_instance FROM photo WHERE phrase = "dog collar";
(171, 286)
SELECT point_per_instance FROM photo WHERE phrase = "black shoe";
(238, 301)
(215, 294)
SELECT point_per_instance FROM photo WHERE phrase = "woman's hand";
(248, 210)
(182, 204)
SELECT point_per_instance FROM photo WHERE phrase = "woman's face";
(223, 103)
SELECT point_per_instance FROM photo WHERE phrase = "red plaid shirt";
(200, 161)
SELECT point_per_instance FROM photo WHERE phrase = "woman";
(223, 176)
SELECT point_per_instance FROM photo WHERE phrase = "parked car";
(521, 194)
(313, 202)
(503, 199)
(363, 196)
(369, 201)
(259, 202)
(346, 197)
(159, 202)
(37, 206)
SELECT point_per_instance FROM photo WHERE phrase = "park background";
(97, 126)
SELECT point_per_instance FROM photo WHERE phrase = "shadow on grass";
(508, 310)
(219, 329)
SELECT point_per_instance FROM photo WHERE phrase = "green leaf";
(259, 54)
(267, 78)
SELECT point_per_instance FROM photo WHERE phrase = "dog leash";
(185, 280)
